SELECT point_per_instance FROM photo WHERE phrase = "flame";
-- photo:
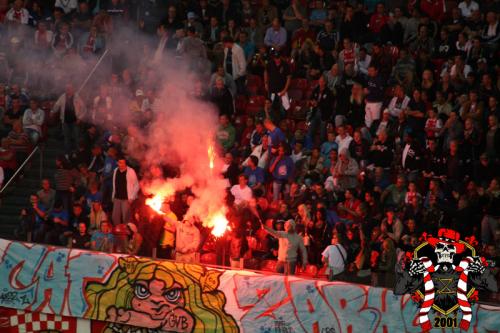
(155, 203)
(211, 156)
(219, 223)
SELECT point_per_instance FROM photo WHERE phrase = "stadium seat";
(296, 94)
(268, 265)
(301, 84)
(209, 258)
(240, 103)
(255, 86)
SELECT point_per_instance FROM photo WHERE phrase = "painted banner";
(156, 296)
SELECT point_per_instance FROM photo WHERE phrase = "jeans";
(33, 135)
(286, 267)
(278, 187)
(488, 226)
(71, 137)
(121, 211)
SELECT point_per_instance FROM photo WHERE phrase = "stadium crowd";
(348, 128)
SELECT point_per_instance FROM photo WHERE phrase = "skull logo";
(445, 252)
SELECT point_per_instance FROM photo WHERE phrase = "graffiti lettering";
(178, 322)
(38, 275)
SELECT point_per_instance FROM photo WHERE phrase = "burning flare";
(211, 156)
(219, 223)
(155, 203)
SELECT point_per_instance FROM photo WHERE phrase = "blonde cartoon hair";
(202, 299)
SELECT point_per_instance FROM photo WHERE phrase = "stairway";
(17, 195)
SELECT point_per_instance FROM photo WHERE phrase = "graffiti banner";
(163, 296)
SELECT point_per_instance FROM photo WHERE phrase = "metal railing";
(21, 167)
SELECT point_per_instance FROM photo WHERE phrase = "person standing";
(125, 189)
(289, 243)
(33, 119)
(374, 96)
(335, 256)
(71, 110)
(187, 238)
(235, 63)
(167, 239)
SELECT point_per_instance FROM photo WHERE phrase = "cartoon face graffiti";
(164, 296)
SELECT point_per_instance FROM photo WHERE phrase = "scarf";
(429, 291)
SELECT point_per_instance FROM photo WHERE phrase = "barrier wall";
(110, 290)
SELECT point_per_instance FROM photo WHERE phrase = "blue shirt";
(109, 165)
(254, 176)
(103, 242)
(274, 37)
(276, 137)
(284, 169)
(248, 49)
(89, 198)
(327, 147)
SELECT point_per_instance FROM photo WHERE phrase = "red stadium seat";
(268, 265)
(296, 94)
(209, 258)
(255, 84)
(301, 84)
(240, 103)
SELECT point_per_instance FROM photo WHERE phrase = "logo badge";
(443, 275)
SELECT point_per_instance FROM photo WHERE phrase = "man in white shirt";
(33, 119)
(363, 61)
(343, 138)
(242, 192)
(335, 257)
(399, 102)
(67, 5)
(467, 7)
(261, 152)
(235, 63)
(18, 14)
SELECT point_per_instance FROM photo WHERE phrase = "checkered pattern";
(19, 321)
(28, 322)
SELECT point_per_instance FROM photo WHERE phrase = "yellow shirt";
(168, 237)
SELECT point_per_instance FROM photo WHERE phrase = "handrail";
(20, 168)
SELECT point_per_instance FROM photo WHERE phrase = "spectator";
(187, 237)
(222, 98)
(266, 14)
(71, 110)
(467, 7)
(167, 240)
(96, 217)
(134, 239)
(374, 96)
(289, 244)
(81, 239)
(103, 240)
(125, 189)
(47, 195)
(226, 134)
(327, 38)
(235, 62)
(18, 14)
(294, 16)
(282, 170)
(335, 258)
(33, 120)
(242, 192)
(346, 171)
(254, 174)
(275, 35)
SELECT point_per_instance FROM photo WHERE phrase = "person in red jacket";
(379, 19)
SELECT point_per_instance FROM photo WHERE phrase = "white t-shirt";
(467, 10)
(334, 256)
(241, 194)
(343, 143)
